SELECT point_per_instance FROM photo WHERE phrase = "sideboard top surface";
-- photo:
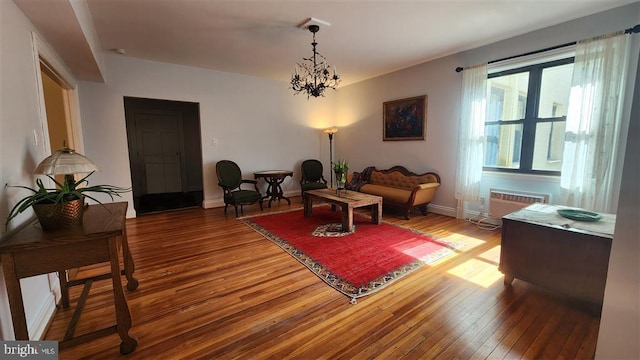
(547, 215)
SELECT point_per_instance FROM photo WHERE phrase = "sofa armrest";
(423, 194)
(426, 186)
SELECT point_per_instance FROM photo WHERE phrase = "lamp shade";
(330, 131)
(65, 161)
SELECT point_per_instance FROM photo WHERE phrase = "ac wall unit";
(503, 202)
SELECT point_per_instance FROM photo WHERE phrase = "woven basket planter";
(61, 216)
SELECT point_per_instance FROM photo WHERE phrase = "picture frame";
(404, 119)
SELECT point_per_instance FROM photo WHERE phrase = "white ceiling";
(261, 38)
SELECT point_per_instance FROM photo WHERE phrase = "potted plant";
(340, 168)
(61, 207)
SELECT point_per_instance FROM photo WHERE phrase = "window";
(526, 115)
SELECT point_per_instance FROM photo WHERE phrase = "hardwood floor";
(212, 288)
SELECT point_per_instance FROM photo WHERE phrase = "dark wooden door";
(160, 151)
(164, 153)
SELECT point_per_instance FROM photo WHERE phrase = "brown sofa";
(401, 188)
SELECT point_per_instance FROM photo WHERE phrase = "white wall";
(359, 108)
(20, 127)
(258, 123)
(620, 321)
(359, 114)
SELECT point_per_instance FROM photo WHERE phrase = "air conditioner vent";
(503, 202)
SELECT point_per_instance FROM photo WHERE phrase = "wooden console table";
(543, 248)
(33, 252)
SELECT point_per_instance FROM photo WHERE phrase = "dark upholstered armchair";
(230, 180)
(312, 177)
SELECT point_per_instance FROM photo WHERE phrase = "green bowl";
(579, 215)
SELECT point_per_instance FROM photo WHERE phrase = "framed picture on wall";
(404, 119)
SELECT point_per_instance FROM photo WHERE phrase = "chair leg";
(225, 208)
(236, 206)
(261, 209)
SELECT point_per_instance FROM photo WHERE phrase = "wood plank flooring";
(212, 288)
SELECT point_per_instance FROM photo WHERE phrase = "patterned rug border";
(341, 285)
(242, 218)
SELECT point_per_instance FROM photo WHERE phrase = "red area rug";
(357, 263)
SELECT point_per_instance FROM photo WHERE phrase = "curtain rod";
(632, 30)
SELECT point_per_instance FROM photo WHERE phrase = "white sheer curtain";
(593, 122)
(471, 135)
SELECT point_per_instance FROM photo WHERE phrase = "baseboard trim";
(442, 210)
(210, 204)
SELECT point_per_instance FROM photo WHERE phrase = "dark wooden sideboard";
(543, 248)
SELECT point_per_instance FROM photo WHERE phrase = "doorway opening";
(56, 102)
(165, 154)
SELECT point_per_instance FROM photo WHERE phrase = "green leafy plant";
(63, 192)
(341, 167)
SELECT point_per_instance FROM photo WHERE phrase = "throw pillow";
(354, 183)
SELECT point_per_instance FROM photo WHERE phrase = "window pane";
(507, 97)
(502, 146)
(554, 91)
(547, 154)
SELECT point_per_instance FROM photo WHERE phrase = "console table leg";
(14, 292)
(123, 315)
(64, 288)
(508, 280)
(129, 266)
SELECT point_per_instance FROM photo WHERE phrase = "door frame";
(44, 56)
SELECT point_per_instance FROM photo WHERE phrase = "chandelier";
(313, 76)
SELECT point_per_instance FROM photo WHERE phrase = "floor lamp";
(330, 132)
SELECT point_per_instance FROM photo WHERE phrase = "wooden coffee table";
(347, 200)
